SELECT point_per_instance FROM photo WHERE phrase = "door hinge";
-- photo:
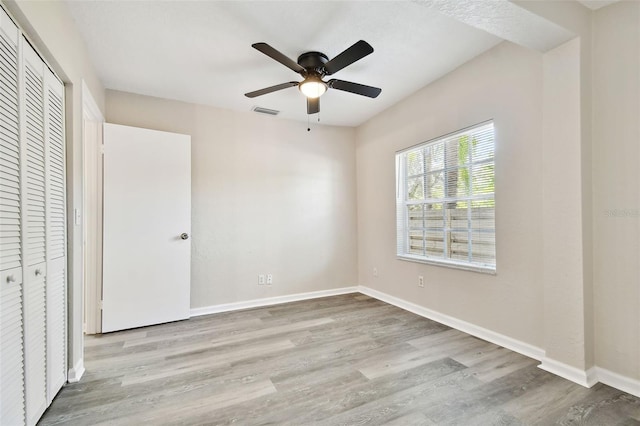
(102, 149)
(100, 304)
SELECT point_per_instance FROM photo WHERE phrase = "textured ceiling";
(200, 51)
(505, 20)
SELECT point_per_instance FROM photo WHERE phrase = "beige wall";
(566, 333)
(577, 289)
(50, 27)
(247, 166)
(616, 188)
(267, 197)
(504, 84)
(572, 127)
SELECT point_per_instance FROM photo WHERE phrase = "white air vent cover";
(265, 110)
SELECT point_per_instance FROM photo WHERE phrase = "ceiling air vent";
(265, 110)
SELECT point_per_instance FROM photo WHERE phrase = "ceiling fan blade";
(271, 89)
(313, 105)
(358, 89)
(274, 54)
(354, 53)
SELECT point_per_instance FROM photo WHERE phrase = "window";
(445, 203)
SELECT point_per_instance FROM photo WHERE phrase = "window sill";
(491, 270)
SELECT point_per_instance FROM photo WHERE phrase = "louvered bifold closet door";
(56, 232)
(11, 348)
(34, 206)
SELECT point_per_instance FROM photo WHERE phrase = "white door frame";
(92, 148)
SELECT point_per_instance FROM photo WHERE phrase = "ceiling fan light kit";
(313, 87)
(314, 66)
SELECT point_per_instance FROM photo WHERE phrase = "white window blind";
(445, 205)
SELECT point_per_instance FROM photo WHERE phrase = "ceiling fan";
(314, 66)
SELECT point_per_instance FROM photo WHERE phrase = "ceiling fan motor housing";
(313, 62)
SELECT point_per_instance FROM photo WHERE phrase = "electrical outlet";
(261, 279)
(269, 279)
(375, 272)
(420, 281)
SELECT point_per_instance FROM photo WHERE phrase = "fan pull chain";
(308, 124)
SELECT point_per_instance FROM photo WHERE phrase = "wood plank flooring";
(343, 360)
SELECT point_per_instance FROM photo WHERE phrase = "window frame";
(403, 228)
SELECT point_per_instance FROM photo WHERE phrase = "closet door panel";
(56, 232)
(35, 342)
(56, 328)
(12, 406)
(11, 353)
(35, 164)
(10, 220)
(34, 193)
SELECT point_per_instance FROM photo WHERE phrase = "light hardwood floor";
(343, 360)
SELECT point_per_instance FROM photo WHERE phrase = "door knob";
(38, 272)
(11, 279)
(184, 236)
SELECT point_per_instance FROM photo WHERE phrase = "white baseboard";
(256, 303)
(618, 381)
(584, 378)
(75, 373)
(474, 330)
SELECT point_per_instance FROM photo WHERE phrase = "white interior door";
(12, 404)
(56, 235)
(34, 207)
(147, 213)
